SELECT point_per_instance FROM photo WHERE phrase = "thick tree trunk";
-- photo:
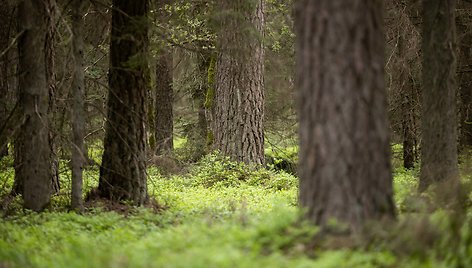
(33, 170)
(78, 108)
(164, 98)
(345, 171)
(439, 129)
(123, 170)
(239, 83)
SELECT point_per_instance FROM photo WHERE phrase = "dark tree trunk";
(164, 95)
(33, 166)
(407, 107)
(123, 170)
(465, 77)
(439, 129)
(5, 25)
(239, 82)
(51, 83)
(164, 98)
(78, 108)
(345, 171)
(200, 133)
(210, 101)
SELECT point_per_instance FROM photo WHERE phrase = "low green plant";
(224, 214)
(405, 185)
(215, 170)
(282, 159)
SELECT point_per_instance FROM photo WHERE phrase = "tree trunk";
(123, 170)
(164, 98)
(33, 170)
(239, 83)
(407, 108)
(345, 171)
(439, 129)
(50, 52)
(200, 132)
(465, 77)
(5, 24)
(78, 108)
(164, 95)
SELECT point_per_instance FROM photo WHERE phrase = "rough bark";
(164, 98)
(344, 168)
(34, 153)
(123, 170)
(239, 83)
(78, 108)
(439, 130)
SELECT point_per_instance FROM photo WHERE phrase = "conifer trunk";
(239, 82)
(345, 171)
(123, 170)
(5, 17)
(164, 125)
(33, 164)
(78, 109)
(439, 125)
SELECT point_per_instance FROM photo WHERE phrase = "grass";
(224, 214)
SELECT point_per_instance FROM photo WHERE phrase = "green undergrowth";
(223, 214)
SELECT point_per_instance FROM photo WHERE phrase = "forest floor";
(223, 214)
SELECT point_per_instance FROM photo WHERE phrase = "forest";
(235, 133)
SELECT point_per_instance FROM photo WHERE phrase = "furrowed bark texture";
(33, 171)
(345, 171)
(439, 129)
(239, 83)
(123, 170)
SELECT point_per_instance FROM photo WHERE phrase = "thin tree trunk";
(465, 79)
(164, 95)
(239, 82)
(123, 170)
(50, 53)
(439, 129)
(33, 170)
(200, 132)
(210, 102)
(5, 23)
(407, 109)
(78, 109)
(164, 98)
(345, 171)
